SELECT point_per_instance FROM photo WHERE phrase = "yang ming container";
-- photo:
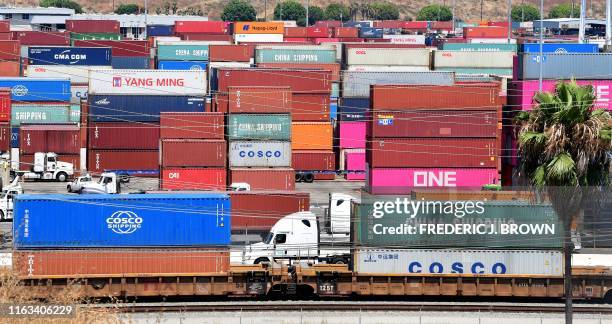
(259, 100)
(458, 262)
(123, 135)
(247, 207)
(47, 113)
(193, 179)
(259, 127)
(27, 89)
(69, 55)
(264, 178)
(202, 125)
(595, 66)
(357, 83)
(182, 65)
(559, 48)
(182, 51)
(259, 154)
(113, 108)
(389, 56)
(193, 153)
(56, 221)
(148, 82)
(479, 96)
(295, 56)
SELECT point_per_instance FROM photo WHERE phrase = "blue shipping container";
(140, 220)
(28, 89)
(370, 32)
(160, 30)
(15, 137)
(333, 110)
(559, 48)
(360, 24)
(45, 55)
(113, 108)
(182, 65)
(131, 62)
(353, 109)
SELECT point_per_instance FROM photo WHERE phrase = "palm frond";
(561, 171)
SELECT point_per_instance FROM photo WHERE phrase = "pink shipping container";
(193, 153)
(123, 135)
(264, 178)
(193, 179)
(352, 134)
(522, 92)
(42, 38)
(92, 26)
(61, 139)
(354, 162)
(136, 160)
(202, 125)
(402, 181)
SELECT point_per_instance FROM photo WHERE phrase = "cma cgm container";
(259, 154)
(112, 108)
(182, 65)
(123, 135)
(259, 100)
(357, 83)
(148, 82)
(558, 48)
(259, 127)
(56, 221)
(44, 113)
(27, 89)
(389, 56)
(193, 179)
(493, 225)
(193, 153)
(522, 92)
(307, 160)
(182, 51)
(264, 178)
(92, 26)
(77, 74)
(202, 125)
(311, 136)
(295, 55)
(352, 134)
(478, 96)
(62, 139)
(433, 153)
(144, 162)
(119, 48)
(69, 55)
(591, 66)
(486, 262)
(260, 210)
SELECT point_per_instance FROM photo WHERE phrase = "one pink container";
(352, 135)
(355, 161)
(402, 181)
(523, 91)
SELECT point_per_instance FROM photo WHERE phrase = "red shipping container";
(351, 40)
(435, 123)
(433, 153)
(201, 27)
(5, 136)
(346, 32)
(296, 32)
(6, 36)
(42, 38)
(318, 32)
(73, 263)
(307, 81)
(193, 179)
(119, 48)
(10, 69)
(389, 24)
(319, 41)
(328, 23)
(325, 176)
(304, 160)
(310, 107)
(193, 153)
(92, 26)
(479, 96)
(260, 210)
(231, 53)
(264, 178)
(442, 25)
(333, 67)
(5, 104)
(26, 161)
(498, 24)
(206, 37)
(137, 160)
(485, 32)
(197, 125)
(414, 25)
(61, 139)
(10, 50)
(259, 100)
(5, 26)
(123, 135)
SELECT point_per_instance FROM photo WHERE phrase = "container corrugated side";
(259, 154)
(312, 136)
(260, 210)
(62, 139)
(475, 47)
(139, 162)
(259, 127)
(264, 178)
(28, 89)
(113, 108)
(388, 56)
(148, 82)
(182, 65)
(357, 83)
(469, 96)
(193, 153)
(182, 51)
(193, 179)
(33, 113)
(559, 48)
(295, 56)
(495, 59)
(76, 74)
(307, 160)
(131, 62)
(259, 100)
(87, 56)
(352, 134)
(123, 135)
(521, 93)
(596, 66)
(204, 125)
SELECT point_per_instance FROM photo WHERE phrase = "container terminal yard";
(343, 172)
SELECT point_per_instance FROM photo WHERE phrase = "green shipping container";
(41, 114)
(259, 127)
(95, 36)
(335, 90)
(75, 113)
(469, 47)
(183, 52)
(295, 56)
(501, 225)
(502, 72)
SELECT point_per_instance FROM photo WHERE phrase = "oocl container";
(113, 108)
(193, 153)
(123, 135)
(357, 83)
(388, 56)
(295, 56)
(479, 59)
(182, 65)
(591, 66)
(193, 179)
(145, 162)
(177, 220)
(259, 154)
(521, 93)
(352, 134)
(259, 127)
(69, 55)
(306, 160)
(62, 139)
(76, 74)
(148, 82)
(47, 113)
(202, 125)
(259, 100)
(264, 178)
(182, 51)
(311, 136)
(260, 210)
(27, 89)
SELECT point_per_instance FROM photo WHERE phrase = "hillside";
(466, 9)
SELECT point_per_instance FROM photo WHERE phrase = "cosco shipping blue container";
(160, 30)
(370, 32)
(559, 48)
(182, 65)
(139, 220)
(112, 108)
(131, 62)
(353, 109)
(28, 89)
(46, 55)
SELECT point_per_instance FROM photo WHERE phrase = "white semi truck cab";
(109, 183)
(47, 167)
(6, 199)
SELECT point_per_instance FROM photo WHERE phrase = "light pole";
(581, 32)
(608, 23)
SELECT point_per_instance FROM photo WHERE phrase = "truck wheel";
(61, 177)
(68, 188)
(298, 177)
(308, 177)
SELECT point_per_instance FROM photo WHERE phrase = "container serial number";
(34, 310)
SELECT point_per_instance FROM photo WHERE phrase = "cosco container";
(202, 125)
(182, 65)
(403, 180)
(144, 162)
(159, 30)
(458, 262)
(276, 204)
(459, 59)
(69, 55)
(352, 134)
(522, 92)
(47, 113)
(76, 74)
(148, 82)
(592, 66)
(388, 56)
(259, 154)
(259, 127)
(357, 83)
(182, 51)
(295, 56)
(259, 100)
(476, 47)
(193, 153)
(307, 160)
(56, 221)
(115, 108)
(193, 179)
(62, 139)
(560, 48)
(131, 62)
(123, 135)
(27, 89)
(353, 109)
(311, 136)
(264, 178)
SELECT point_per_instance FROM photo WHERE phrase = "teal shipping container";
(75, 113)
(182, 52)
(452, 224)
(259, 127)
(469, 47)
(314, 56)
(41, 114)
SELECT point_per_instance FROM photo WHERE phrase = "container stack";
(193, 151)
(474, 62)
(5, 120)
(203, 30)
(10, 53)
(182, 55)
(126, 54)
(93, 29)
(433, 136)
(231, 56)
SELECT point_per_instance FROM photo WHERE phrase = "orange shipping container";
(485, 32)
(311, 136)
(259, 27)
(9, 69)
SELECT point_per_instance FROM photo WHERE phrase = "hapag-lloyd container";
(132, 161)
(193, 153)
(403, 180)
(433, 153)
(182, 51)
(172, 223)
(259, 154)
(113, 108)
(294, 56)
(62, 139)
(388, 56)
(259, 100)
(352, 134)
(259, 127)
(522, 92)
(559, 48)
(69, 55)
(119, 261)
(486, 262)
(585, 66)
(148, 82)
(203, 125)
(123, 135)
(357, 83)
(47, 113)
(355, 164)
(76, 74)
(476, 47)
(193, 179)
(479, 59)
(28, 89)
(182, 65)
(311, 136)
(260, 28)
(260, 210)
(264, 178)
(469, 96)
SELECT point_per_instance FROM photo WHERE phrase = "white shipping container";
(388, 68)
(389, 56)
(148, 82)
(78, 74)
(78, 92)
(492, 40)
(592, 260)
(488, 262)
(461, 59)
(214, 65)
(260, 154)
(14, 158)
(264, 38)
(158, 39)
(406, 39)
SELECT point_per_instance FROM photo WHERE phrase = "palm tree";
(564, 148)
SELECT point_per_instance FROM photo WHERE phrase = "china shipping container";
(478, 47)
(259, 100)
(357, 83)
(61, 139)
(182, 65)
(264, 178)
(26, 161)
(260, 210)
(558, 48)
(119, 48)
(521, 93)
(131, 62)
(433, 153)
(56, 221)
(259, 154)
(160, 30)
(123, 135)
(47, 55)
(259, 127)
(43, 113)
(285, 55)
(92, 26)
(193, 153)
(353, 109)
(182, 51)
(113, 108)
(10, 50)
(584, 66)
(352, 134)
(208, 27)
(311, 136)
(295, 32)
(231, 53)
(307, 81)
(193, 179)
(10, 69)
(27, 38)
(480, 59)
(354, 164)
(307, 160)
(5, 104)
(198, 125)
(148, 82)
(27, 89)
(5, 136)
(76, 74)
(389, 56)
(404, 180)
(120, 160)
(333, 67)
(119, 262)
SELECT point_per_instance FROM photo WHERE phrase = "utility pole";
(481, 5)
(454, 21)
(307, 5)
(581, 32)
(509, 20)
(145, 17)
(608, 24)
(265, 10)
(541, 58)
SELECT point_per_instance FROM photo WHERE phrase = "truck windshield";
(269, 238)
